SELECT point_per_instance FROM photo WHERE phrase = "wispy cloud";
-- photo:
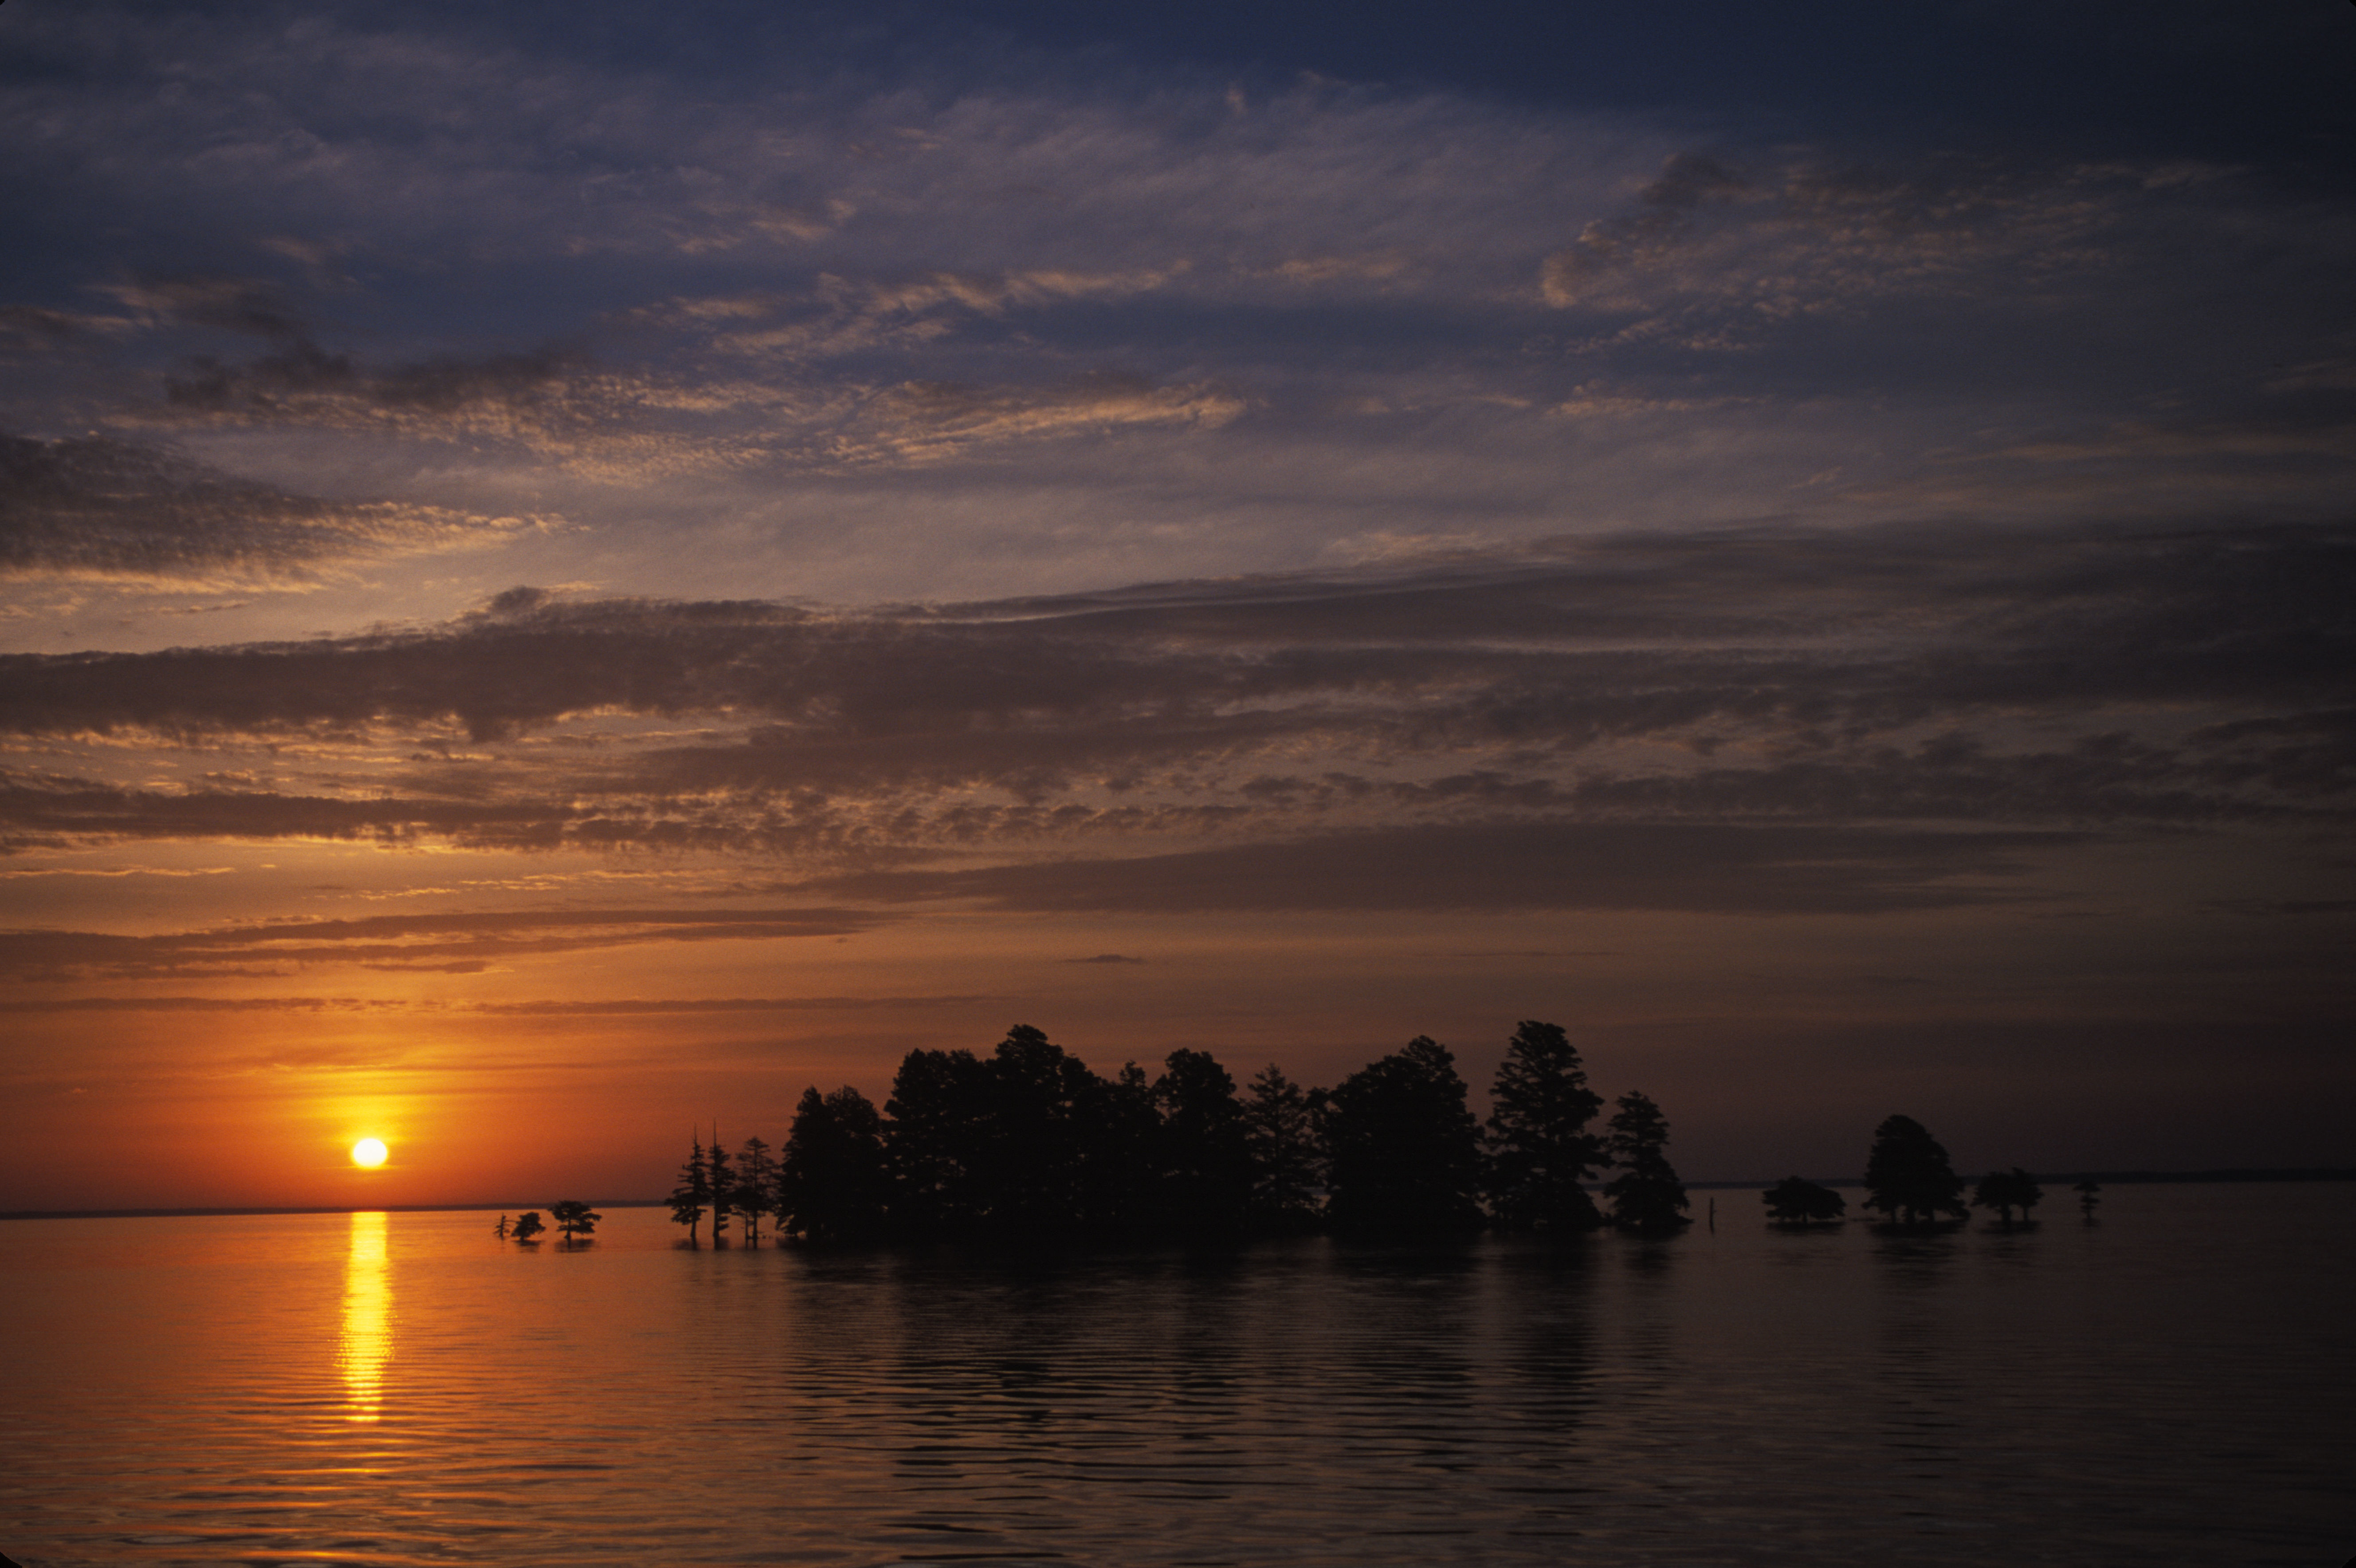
(435, 940)
(622, 1008)
(104, 510)
(1752, 701)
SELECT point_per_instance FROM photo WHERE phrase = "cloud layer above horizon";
(506, 515)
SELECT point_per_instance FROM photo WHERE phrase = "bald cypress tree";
(1539, 1151)
(692, 1196)
(832, 1183)
(1646, 1196)
(1205, 1167)
(1404, 1151)
(935, 1141)
(1286, 1164)
(1044, 1106)
(721, 1173)
(2004, 1191)
(756, 1171)
(1908, 1176)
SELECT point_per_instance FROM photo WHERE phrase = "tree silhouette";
(528, 1225)
(1646, 1196)
(2089, 1194)
(1046, 1104)
(501, 1230)
(833, 1182)
(1539, 1149)
(937, 1141)
(1907, 1175)
(721, 1173)
(1795, 1202)
(1126, 1158)
(755, 1174)
(689, 1198)
(574, 1218)
(1280, 1137)
(1404, 1151)
(2004, 1191)
(1205, 1165)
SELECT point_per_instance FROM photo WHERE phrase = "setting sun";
(369, 1152)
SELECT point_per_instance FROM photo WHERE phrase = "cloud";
(97, 509)
(621, 1009)
(2100, 680)
(929, 422)
(284, 947)
(1500, 868)
(779, 330)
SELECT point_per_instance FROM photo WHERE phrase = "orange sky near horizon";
(1775, 1043)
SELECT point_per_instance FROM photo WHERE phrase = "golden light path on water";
(368, 1319)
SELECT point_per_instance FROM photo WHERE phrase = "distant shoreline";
(2108, 1178)
(327, 1208)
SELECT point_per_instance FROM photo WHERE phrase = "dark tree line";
(1029, 1143)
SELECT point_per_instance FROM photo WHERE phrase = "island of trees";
(1028, 1143)
(1910, 1180)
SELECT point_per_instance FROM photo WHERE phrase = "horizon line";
(2127, 1177)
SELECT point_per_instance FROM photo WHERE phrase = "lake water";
(2171, 1386)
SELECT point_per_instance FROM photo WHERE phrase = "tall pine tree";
(692, 1196)
(1646, 1196)
(1287, 1167)
(1404, 1151)
(1541, 1152)
(1205, 1165)
(756, 1170)
(721, 1173)
(832, 1183)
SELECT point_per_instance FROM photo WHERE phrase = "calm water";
(2172, 1386)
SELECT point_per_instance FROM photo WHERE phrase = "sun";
(369, 1151)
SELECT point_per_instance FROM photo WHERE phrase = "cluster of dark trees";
(1910, 1180)
(1028, 1143)
(574, 1219)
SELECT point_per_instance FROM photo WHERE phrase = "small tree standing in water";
(694, 1193)
(2004, 1191)
(1646, 1196)
(1907, 1175)
(755, 1170)
(2090, 1194)
(1795, 1202)
(721, 1173)
(501, 1230)
(574, 1218)
(528, 1225)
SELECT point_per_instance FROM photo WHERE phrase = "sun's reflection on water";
(368, 1320)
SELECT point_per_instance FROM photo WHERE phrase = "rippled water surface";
(2172, 1385)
